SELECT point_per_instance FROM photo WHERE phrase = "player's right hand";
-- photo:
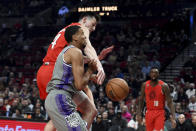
(100, 76)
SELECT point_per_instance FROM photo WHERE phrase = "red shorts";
(44, 75)
(155, 120)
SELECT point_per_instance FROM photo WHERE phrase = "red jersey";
(57, 45)
(155, 99)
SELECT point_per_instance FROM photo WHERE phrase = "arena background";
(145, 33)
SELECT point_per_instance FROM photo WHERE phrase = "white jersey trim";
(64, 62)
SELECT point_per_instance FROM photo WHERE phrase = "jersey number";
(55, 39)
(156, 103)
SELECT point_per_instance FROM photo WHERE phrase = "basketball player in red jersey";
(88, 23)
(155, 92)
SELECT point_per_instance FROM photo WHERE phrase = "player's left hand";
(139, 119)
(173, 121)
(104, 52)
(100, 76)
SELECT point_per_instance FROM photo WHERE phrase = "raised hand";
(105, 52)
(100, 76)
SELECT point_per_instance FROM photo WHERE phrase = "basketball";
(117, 89)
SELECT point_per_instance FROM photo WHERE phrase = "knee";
(49, 126)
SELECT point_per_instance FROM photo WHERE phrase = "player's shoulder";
(146, 82)
(163, 83)
(75, 50)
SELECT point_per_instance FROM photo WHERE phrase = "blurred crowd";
(19, 8)
(138, 47)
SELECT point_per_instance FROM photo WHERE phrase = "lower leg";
(88, 111)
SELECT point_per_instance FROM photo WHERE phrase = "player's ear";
(84, 19)
(74, 37)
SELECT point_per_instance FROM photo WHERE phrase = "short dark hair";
(90, 14)
(70, 31)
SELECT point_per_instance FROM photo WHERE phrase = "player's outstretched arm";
(91, 53)
(168, 98)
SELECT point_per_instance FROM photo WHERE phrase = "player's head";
(89, 20)
(74, 35)
(154, 73)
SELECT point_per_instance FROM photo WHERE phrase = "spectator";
(25, 108)
(191, 90)
(119, 121)
(101, 109)
(182, 123)
(178, 109)
(173, 93)
(38, 114)
(30, 104)
(192, 104)
(102, 99)
(155, 63)
(193, 124)
(2, 108)
(188, 76)
(105, 121)
(133, 123)
(146, 68)
(125, 113)
(7, 106)
(98, 124)
(110, 105)
(14, 106)
(111, 113)
(181, 96)
(17, 114)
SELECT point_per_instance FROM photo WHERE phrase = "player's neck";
(154, 82)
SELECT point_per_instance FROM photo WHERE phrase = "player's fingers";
(100, 81)
(98, 77)
(101, 77)
(109, 49)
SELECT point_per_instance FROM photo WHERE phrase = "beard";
(155, 79)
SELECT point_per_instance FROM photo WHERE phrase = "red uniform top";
(57, 46)
(155, 99)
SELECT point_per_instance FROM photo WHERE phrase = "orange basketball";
(117, 89)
